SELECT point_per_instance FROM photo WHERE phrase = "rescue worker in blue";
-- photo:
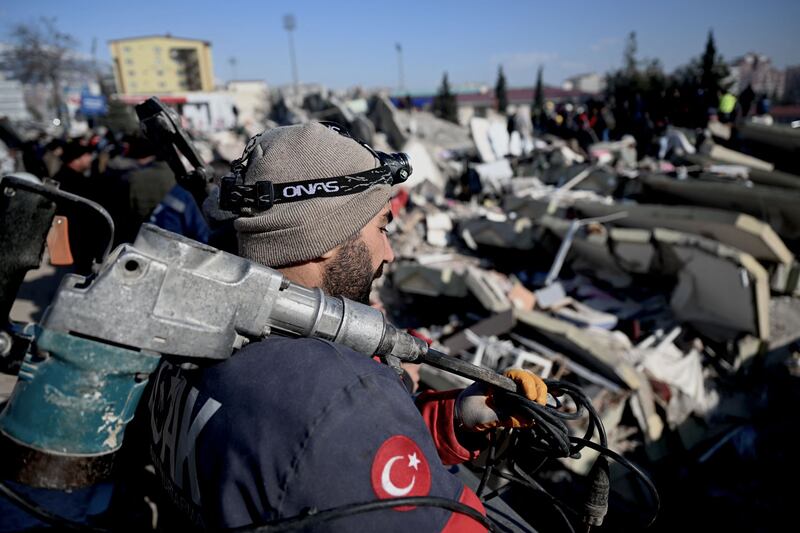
(287, 425)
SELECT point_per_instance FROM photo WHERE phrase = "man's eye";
(384, 229)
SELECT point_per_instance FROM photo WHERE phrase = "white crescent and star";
(386, 480)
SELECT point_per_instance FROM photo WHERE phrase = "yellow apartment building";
(161, 64)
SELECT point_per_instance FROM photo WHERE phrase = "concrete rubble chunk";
(600, 351)
(438, 227)
(489, 288)
(479, 128)
(425, 168)
(429, 280)
(726, 155)
(721, 291)
(776, 206)
(384, 116)
(510, 234)
(495, 176)
(734, 229)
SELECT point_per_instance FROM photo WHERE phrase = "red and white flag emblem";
(400, 469)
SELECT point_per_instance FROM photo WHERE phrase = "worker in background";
(148, 183)
(292, 424)
(727, 105)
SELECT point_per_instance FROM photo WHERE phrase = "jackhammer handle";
(462, 368)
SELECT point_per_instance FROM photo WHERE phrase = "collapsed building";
(667, 288)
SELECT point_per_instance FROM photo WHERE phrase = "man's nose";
(388, 253)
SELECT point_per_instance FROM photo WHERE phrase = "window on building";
(131, 73)
(159, 72)
(126, 48)
(129, 61)
(161, 84)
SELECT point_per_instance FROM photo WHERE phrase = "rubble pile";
(667, 289)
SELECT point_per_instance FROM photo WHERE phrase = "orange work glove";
(476, 409)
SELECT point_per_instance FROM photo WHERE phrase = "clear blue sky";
(342, 43)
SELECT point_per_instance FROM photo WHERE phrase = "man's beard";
(350, 273)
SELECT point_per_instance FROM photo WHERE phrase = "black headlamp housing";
(251, 199)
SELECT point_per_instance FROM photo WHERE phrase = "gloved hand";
(476, 409)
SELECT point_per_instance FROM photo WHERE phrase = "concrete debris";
(728, 227)
(775, 206)
(438, 228)
(652, 283)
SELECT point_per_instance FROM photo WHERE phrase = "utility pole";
(401, 76)
(289, 24)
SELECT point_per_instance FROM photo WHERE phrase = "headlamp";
(254, 198)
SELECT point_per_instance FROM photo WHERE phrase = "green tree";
(699, 84)
(629, 54)
(713, 70)
(537, 109)
(500, 91)
(637, 91)
(444, 103)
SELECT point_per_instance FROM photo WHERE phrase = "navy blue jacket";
(178, 212)
(291, 424)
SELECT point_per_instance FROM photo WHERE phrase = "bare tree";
(40, 53)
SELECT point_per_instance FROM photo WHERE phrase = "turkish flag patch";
(399, 470)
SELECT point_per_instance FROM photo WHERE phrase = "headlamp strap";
(253, 198)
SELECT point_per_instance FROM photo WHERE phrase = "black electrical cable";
(490, 462)
(44, 515)
(549, 435)
(366, 507)
(286, 524)
(630, 466)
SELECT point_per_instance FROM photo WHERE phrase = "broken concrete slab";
(598, 350)
(511, 234)
(425, 168)
(497, 324)
(438, 227)
(728, 227)
(585, 316)
(479, 129)
(495, 176)
(776, 206)
(721, 291)
(489, 288)
(413, 278)
(384, 116)
(720, 153)
(775, 178)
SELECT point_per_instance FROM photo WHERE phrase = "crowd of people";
(122, 173)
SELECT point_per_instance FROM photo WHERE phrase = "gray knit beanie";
(299, 231)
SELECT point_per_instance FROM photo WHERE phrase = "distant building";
(12, 100)
(791, 91)
(161, 64)
(591, 83)
(481, 102)
(757, 71)
(251, 98)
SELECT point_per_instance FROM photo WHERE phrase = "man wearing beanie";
(289, 425)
